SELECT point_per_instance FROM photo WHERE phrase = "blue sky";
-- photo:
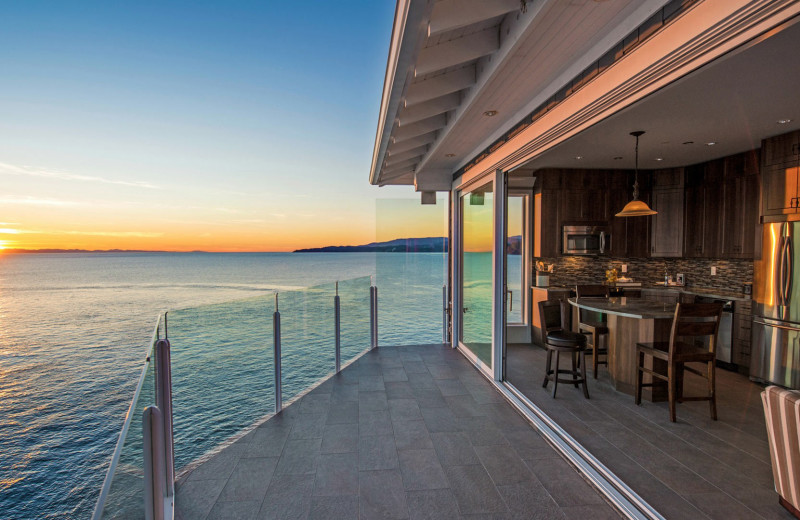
(227, 125)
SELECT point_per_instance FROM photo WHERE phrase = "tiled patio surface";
(405, 432)
(695, 468)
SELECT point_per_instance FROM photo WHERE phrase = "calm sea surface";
(74, 329)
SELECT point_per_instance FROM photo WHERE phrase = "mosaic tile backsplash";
(731, 274)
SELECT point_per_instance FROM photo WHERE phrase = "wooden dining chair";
(598, 329)
(692, 320)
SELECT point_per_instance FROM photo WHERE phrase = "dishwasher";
(725, 334)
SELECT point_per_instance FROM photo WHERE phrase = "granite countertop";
(674, 289)
(627, 307)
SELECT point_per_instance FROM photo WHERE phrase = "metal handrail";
(101, 500)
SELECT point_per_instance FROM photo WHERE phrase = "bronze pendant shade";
(636, 207)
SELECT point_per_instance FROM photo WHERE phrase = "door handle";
(510, 300)
(787, 287)
(602, 242)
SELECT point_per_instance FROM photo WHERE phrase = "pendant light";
(636, 207)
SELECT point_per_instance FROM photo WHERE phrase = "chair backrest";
(696, 320)
(552, 315)
(591, 291)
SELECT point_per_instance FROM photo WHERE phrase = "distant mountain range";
(398, 245)
(405, 245)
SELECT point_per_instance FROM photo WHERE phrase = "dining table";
(631, 321)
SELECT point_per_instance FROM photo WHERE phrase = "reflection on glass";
(514, 259)
(477, 239)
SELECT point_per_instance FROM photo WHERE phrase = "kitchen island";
(631, 320)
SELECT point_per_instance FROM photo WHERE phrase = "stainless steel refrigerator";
(775, 353)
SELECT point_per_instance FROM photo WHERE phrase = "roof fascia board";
(408, 34)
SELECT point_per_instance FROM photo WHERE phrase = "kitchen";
(712, 239)
(720, 192)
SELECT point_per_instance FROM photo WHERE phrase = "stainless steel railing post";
(154, 470)
(164, 403)
(444, 314)
(337, 328)
(276, 335)
(373, 314)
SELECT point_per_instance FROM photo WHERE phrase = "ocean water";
(74, 329)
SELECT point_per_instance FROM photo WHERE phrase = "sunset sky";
(218, 126)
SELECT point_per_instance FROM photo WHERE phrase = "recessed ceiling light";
(711, 143)
(617, 158)
(659, 158)
(490, 113)
(784, 121)
(449, 155)
(688, 142)
(579, 157)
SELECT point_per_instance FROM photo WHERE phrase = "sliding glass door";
(477, 241)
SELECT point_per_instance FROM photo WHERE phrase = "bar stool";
(553, 316)
(598, 329)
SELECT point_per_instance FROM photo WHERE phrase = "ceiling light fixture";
(618, 158)
(579, 157)
(449, 155)
(784, 121)
(659, 158)
(636, 208)
(688, 142)
(490, 113)
(711, 143)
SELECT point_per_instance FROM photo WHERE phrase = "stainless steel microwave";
(585, 240)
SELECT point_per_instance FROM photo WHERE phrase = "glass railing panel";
(307, 338)
(122, 495)
(410, 298)
(222, 373)
(411, 269)
(355, 316)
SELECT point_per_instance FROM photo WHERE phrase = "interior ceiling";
(734, 102)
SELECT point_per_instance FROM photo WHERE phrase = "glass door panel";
(477, 209)
(515, 259)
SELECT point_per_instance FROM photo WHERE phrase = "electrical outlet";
(624, 268)
(713, 270)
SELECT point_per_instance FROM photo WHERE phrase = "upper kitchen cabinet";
(780, 174)
(703, 210)
(547, 216)
(667, 224)
(741, 216)
(781, 149)
(585, 197)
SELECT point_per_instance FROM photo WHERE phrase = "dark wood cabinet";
(781, 149)
(741, 337)
(780, 175)
(740, 216)
(703, 217)
(667, 226)
(585, 197)
(547, 223)
(630, 236)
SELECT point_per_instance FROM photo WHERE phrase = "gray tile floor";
(405, 432)
(695, 468)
